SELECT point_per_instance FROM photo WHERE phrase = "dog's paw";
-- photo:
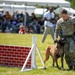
(45, 68)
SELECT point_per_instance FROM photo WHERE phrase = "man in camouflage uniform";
(66, 25)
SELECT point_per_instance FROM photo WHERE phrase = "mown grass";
(26, 40)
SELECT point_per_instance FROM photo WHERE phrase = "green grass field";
(26, 40)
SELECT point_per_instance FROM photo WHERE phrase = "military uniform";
(67, 32)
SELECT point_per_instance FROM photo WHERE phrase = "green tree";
(72, 3)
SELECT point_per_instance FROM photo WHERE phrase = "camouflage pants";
(69, 52)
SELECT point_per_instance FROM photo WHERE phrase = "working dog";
(55, 51)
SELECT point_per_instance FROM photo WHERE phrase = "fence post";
(33, 62)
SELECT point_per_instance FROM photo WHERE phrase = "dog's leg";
(62, 60)
(62, 63)
(53, 62)
(57, 63)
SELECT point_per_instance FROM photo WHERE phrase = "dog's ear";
(61, 42)
(56, 41)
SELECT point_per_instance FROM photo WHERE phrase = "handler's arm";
(57, 31)
(51, 20)
(73, 21)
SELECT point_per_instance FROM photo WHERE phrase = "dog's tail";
(47, 53)
(48, 50)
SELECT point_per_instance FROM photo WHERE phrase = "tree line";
(72, 2)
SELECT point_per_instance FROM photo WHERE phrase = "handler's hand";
(55, 40)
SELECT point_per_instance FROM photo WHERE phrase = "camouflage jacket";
(65, 26)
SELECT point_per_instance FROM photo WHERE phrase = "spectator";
(31, 31)
(48, 17)
(33, 25)
(0, 23)
(33, 17)
(17, 15)
(7, 30)
(22, 30)
(28, 19)
(14, 24)
(7, 15)
(0, 26)
(41, 25)
(38, 28)
(4, 24)
(1, 15)
(21, 15)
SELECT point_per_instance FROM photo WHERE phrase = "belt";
(67, 36)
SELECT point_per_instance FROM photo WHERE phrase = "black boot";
(70, 67)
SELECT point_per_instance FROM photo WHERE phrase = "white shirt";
(48, 16)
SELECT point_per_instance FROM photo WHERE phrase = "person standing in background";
(48, 18)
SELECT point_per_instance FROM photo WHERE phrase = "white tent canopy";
(69, 10)
(20, 8)
(16, 6)
(1, 10)
(38, 2)
(23, 6)
(39, 11)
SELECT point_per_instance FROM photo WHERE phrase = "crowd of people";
(13, 23)
(10, 23)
